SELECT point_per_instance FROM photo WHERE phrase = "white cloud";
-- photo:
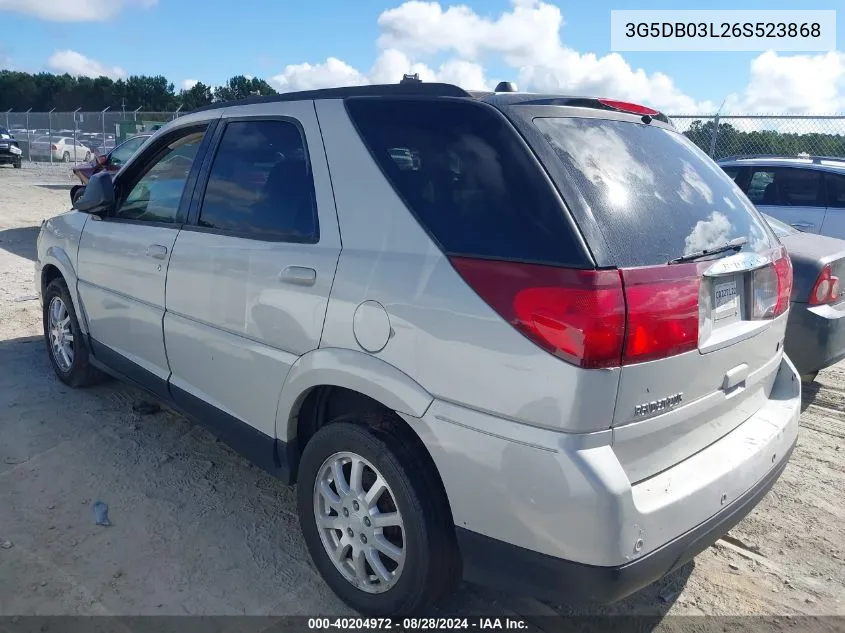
(796, 84)
(187, 84)
(332, 72)
(388, 68)
(73, 10)
(526, 38)
(77, 64)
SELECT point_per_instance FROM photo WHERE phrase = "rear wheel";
(87, 156)
(76, 192)
(66, 157)
(375, 520)
(65, 341)
(17, 164)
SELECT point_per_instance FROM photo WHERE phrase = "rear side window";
(654, 195)
(784, 186)
(835, 190)
(260, 184)
(464, 174)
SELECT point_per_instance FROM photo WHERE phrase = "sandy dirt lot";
(198, 530)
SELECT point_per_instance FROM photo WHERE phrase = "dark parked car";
(815, 332)
(10, 151)
(111, 162)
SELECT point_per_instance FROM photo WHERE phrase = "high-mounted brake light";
(631, 108)
(826, 289)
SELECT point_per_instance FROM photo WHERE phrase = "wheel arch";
(56, 263)
(358, 372)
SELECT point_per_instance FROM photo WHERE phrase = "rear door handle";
(299, 275)
(156, 251)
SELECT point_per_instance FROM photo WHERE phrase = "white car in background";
(62, 148)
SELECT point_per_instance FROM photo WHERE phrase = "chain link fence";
(721, 136)
(77, 136)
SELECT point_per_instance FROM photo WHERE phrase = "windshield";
(654, 194)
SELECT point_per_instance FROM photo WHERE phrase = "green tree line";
(731, 142)
(44, 91)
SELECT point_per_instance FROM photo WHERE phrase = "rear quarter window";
(468, 179)
(654, 195)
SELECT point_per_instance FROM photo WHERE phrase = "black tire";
(76, 192)
(66, 157)
(17, 164)
(432, 564)
(87, 157)
(81, 372)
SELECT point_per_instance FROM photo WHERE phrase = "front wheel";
(87, 157)
(66, 157)
(17, 164)
(65, 341)
(375, 520)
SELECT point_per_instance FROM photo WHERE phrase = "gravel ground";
(198, 530)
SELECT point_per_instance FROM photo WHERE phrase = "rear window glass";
(654, 194)
(463, 173)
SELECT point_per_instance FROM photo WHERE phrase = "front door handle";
(803, 225)
(299, 275)
(156, 251)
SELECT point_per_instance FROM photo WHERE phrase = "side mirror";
(98, 195)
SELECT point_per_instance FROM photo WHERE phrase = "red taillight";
(632, 108)
(54, 147)
(593, 318)
(578, 315)
(662, 311)
(826, 289)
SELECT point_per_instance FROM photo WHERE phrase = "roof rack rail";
(410, 85)
(815, 159)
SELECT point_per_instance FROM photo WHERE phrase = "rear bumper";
(508, 567)
(815, 336)
(556, 515)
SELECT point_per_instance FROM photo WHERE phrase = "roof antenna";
(506, 86)
(411, 79)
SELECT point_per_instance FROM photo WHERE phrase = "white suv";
(532, 340)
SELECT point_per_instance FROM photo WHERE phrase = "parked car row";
(10, 151)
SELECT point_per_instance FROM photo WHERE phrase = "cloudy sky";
(561, 46)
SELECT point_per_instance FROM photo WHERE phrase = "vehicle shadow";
(809, 393)
(20, 241)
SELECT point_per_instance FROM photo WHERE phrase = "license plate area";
(727, 293)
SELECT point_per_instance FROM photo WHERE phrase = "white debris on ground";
(197, 530)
